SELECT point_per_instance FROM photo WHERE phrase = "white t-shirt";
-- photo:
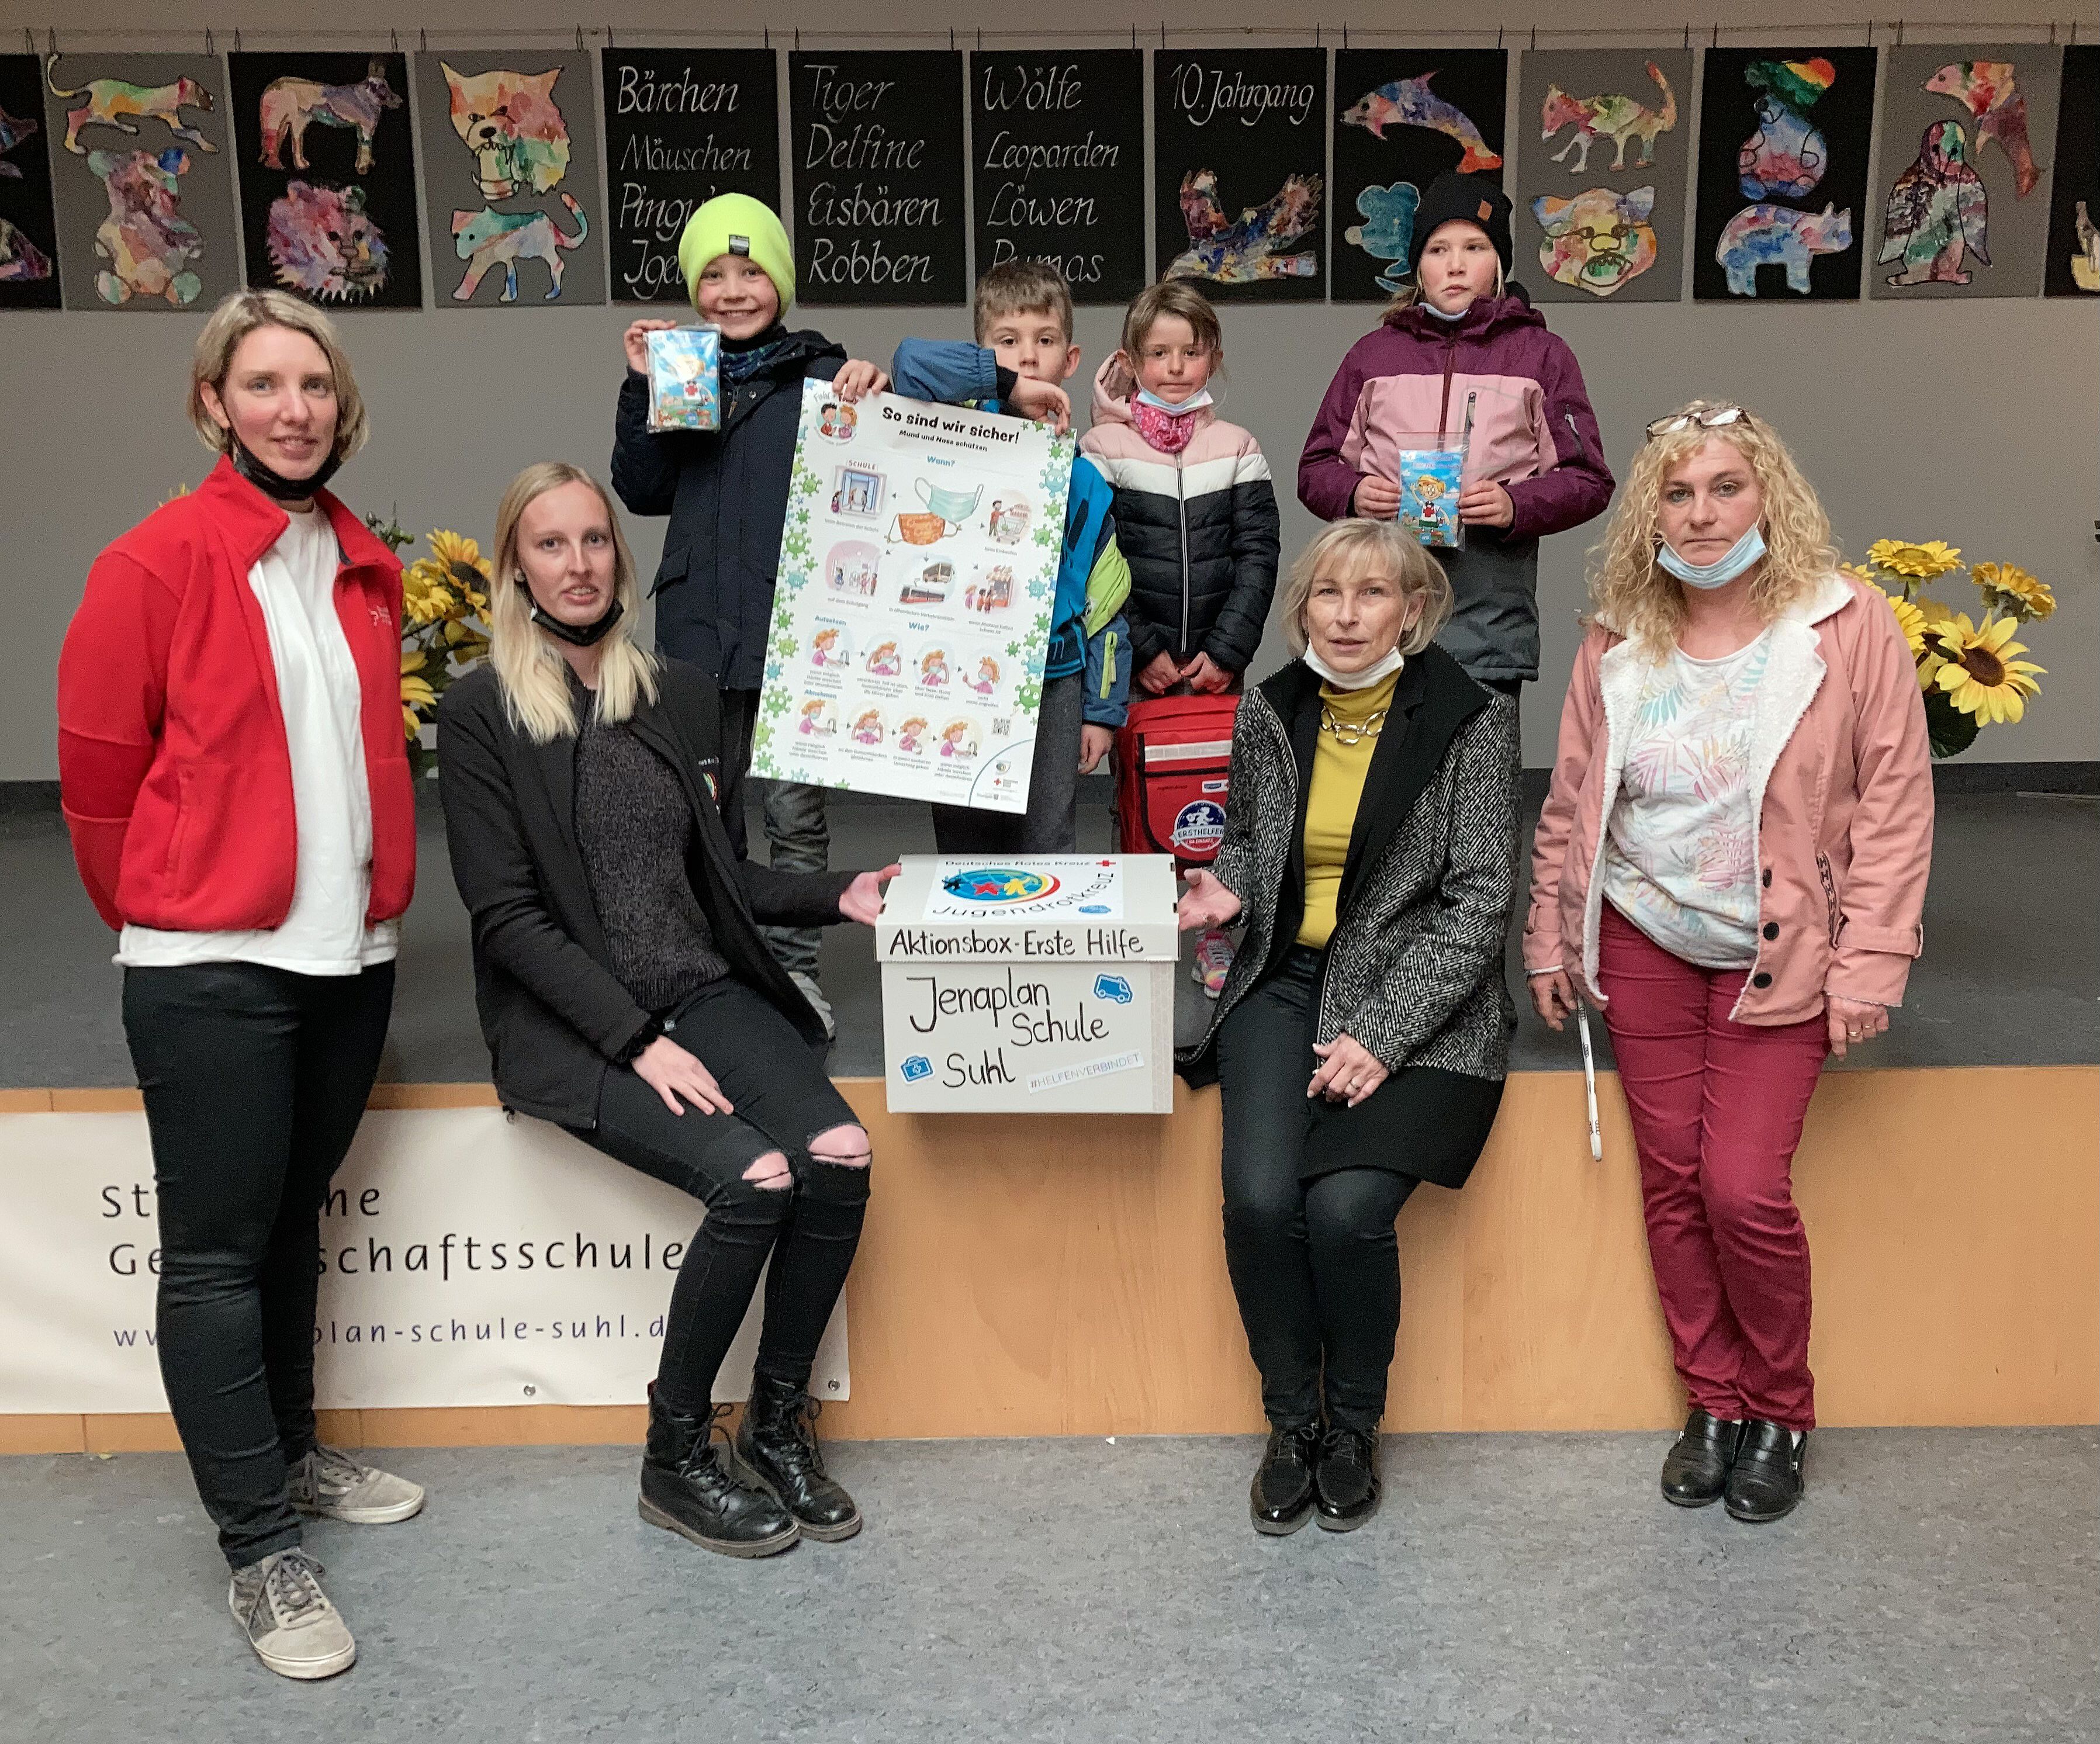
(1680, 849)
(323, 933)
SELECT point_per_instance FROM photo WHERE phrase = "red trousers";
(1716, 1109)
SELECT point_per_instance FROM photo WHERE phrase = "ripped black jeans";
(810, 1226)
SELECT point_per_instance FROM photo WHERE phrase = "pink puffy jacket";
(1842, 777)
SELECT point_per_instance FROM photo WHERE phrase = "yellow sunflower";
(1921, 562)
(2007, 587)
(1911, 622)
(449, 547)
(1980, 675)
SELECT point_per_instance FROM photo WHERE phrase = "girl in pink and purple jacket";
(1465, 347)
(1731, 866)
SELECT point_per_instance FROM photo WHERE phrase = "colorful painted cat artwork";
(486, 239)
(1411, 103)
(1769, 236)
(1621, 119)
(146, 240)
(1253, 247)
(1597, 241)
(1788, 156)
(114, 103)
(323, 242)
(1986, 90)
(1387, 229)
(1938, 212)
(510, 122)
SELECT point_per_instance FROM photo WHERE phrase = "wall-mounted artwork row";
(29, 224)
(510, 177)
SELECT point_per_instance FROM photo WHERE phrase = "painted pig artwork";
(1773, 236)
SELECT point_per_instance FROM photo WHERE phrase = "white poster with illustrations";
(918, 568)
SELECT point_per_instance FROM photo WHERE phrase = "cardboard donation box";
(1040, 985)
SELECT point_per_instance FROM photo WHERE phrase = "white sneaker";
(817, 1002)
(329, 1483)
(287, 1619)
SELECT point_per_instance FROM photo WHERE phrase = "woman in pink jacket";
(1732, 866)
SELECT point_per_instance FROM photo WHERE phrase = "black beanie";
(1473, 199)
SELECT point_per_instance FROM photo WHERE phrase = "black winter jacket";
(1198, 529)
(554, 1014)
(726, 492)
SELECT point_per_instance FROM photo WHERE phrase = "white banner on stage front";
(467, 1259)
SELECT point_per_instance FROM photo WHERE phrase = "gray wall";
(1970, 422)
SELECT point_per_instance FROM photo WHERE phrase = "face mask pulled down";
(1725, 568)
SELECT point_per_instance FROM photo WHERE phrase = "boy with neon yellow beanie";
(726, 492)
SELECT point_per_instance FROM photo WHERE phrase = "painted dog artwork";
(1250, 250)
(322, 242)
(1615, 118)
(1769, 236)
(290, 106)
(146, 240)
(21, 261)
(12, 133)
(510, 122)
(486, 239)
(111, 102)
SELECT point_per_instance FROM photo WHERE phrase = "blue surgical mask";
(1427, 307)
(1723, 570)
(1194, 402)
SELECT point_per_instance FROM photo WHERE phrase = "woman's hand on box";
(1206, 903)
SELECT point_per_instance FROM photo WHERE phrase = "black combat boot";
(1694, 1471)
(690, 1487)
(777, 1440)
(1281, 1498)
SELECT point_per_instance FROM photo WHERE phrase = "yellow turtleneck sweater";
(1338, 769)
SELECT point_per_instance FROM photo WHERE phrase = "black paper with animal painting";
(1604, 156)
(28, 222)
(2073, 266)
(1402, 118)
(510, 177)
(1239, 168)
(327, 177)
(1783, 139)
(142, 180)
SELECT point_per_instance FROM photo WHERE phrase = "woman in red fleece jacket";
(231, 765)
(1464, 340)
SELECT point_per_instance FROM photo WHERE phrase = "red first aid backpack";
(1172, 758)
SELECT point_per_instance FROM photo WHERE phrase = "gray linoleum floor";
(1937, 1587)
(2009, 976)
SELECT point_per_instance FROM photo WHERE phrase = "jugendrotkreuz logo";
(1000, 886)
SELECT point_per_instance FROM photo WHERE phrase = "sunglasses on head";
(1715, 418)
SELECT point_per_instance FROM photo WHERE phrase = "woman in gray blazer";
(1360, 1040)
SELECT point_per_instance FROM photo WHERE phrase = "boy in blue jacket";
(1024, 351)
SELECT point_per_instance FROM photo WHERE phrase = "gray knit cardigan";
(1414, 968)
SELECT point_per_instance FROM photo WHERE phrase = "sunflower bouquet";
(1970, 672)
(444, 627)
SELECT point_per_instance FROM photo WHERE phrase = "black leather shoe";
(1694, 1471)
(1280, 1499)
(1765, 1481)
(777, 1440)
(1347, 1478)
(690, 1487)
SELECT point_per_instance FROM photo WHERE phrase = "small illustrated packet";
(685, 378)
(1429, 483)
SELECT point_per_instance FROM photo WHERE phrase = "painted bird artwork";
(1253, 248)
(1987, 89)
(1411, 103)
(1937, 212)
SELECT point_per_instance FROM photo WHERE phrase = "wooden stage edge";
(1076, 1284)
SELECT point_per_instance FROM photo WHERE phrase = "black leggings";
(254, 1079)
(1314, 1262)
(783, 1101)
